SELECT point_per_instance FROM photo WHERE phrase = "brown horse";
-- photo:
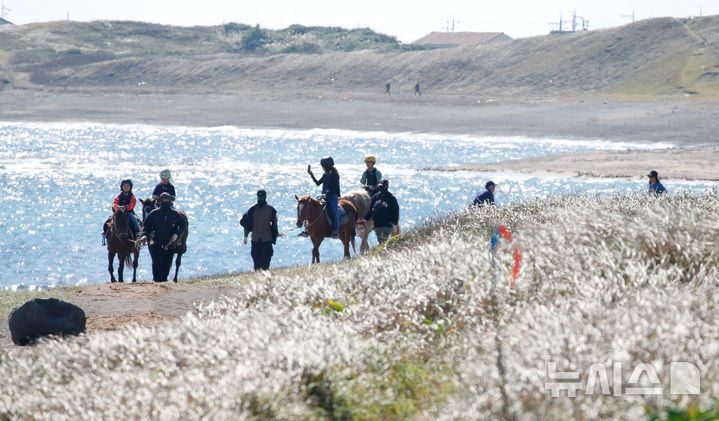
(180, 245)
(121, 241)
(314, 215)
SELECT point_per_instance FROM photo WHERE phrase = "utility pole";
(453, 22)
(629, 16)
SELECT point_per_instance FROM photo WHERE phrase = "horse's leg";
(345, 238)
(134, 266)
(316, 250)
(178, 262)
(110, 259)
(121, 267)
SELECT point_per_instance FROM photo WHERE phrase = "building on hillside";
(455, 39)
(5, 22)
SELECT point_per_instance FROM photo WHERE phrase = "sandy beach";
(683, 122)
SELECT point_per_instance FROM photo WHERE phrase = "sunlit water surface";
(57, 182)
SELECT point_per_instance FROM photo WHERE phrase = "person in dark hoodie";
(261, 220)
(162, 228)
(330, 181)
(384, 211)
(487, 196)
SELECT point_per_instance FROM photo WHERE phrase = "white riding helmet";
(165, 174)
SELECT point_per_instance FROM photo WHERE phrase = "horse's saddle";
(342, 213)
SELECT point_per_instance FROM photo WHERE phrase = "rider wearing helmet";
(371, 176)
(330, 181)
(126, 201)
(164, 186)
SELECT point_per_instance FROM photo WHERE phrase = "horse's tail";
(128, 261)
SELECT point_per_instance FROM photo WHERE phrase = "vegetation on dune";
(426, 327)
(663, 56)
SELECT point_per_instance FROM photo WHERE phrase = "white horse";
(361, 200)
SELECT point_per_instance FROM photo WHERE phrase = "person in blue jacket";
(654, 185)
(330, 181)
(487, 196)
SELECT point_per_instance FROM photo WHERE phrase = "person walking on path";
(487, 196)
(384, 212)
(416, 89)
(162, 227)
(655, 186)
(261, 220)
(387, 88)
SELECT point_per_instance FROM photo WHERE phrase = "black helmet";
(128, 181)
(327, 162)
(165, 196)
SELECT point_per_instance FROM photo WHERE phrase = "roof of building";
(5, 22)
(461, 38)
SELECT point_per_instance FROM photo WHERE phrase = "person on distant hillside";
(371, 176)
(416, 89)
(487, 196)
(261, 220)
(387, 88)
(655, 186)
(164, 186)
(383, 211)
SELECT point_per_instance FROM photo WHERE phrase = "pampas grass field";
(423, 328)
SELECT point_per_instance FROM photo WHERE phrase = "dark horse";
(314, 215)
(180, 246)
(121, 241)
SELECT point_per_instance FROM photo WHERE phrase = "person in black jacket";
(384, 211)
(487, 196)
(330, 190)
(164, 186)
(261, 220)
(162, 227)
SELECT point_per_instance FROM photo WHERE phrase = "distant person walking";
(416, 89)
(163, 226)
(655, 186)
(387, 88)
(487, 196)
(261, 220)
(384, 212)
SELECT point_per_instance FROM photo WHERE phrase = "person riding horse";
(371, 176)
(330, 181)
(164, 186)
(125, 202)
(163, 227)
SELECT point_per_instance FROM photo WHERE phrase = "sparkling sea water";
(58, 180)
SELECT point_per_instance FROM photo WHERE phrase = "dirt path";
(110, 306)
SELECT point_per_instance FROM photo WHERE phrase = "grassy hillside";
(426, 328)
(663, 56)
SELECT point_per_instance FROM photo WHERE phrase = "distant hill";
(663, 56)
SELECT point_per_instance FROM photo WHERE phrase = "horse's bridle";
(309, 200)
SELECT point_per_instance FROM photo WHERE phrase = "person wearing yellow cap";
(371, 177)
